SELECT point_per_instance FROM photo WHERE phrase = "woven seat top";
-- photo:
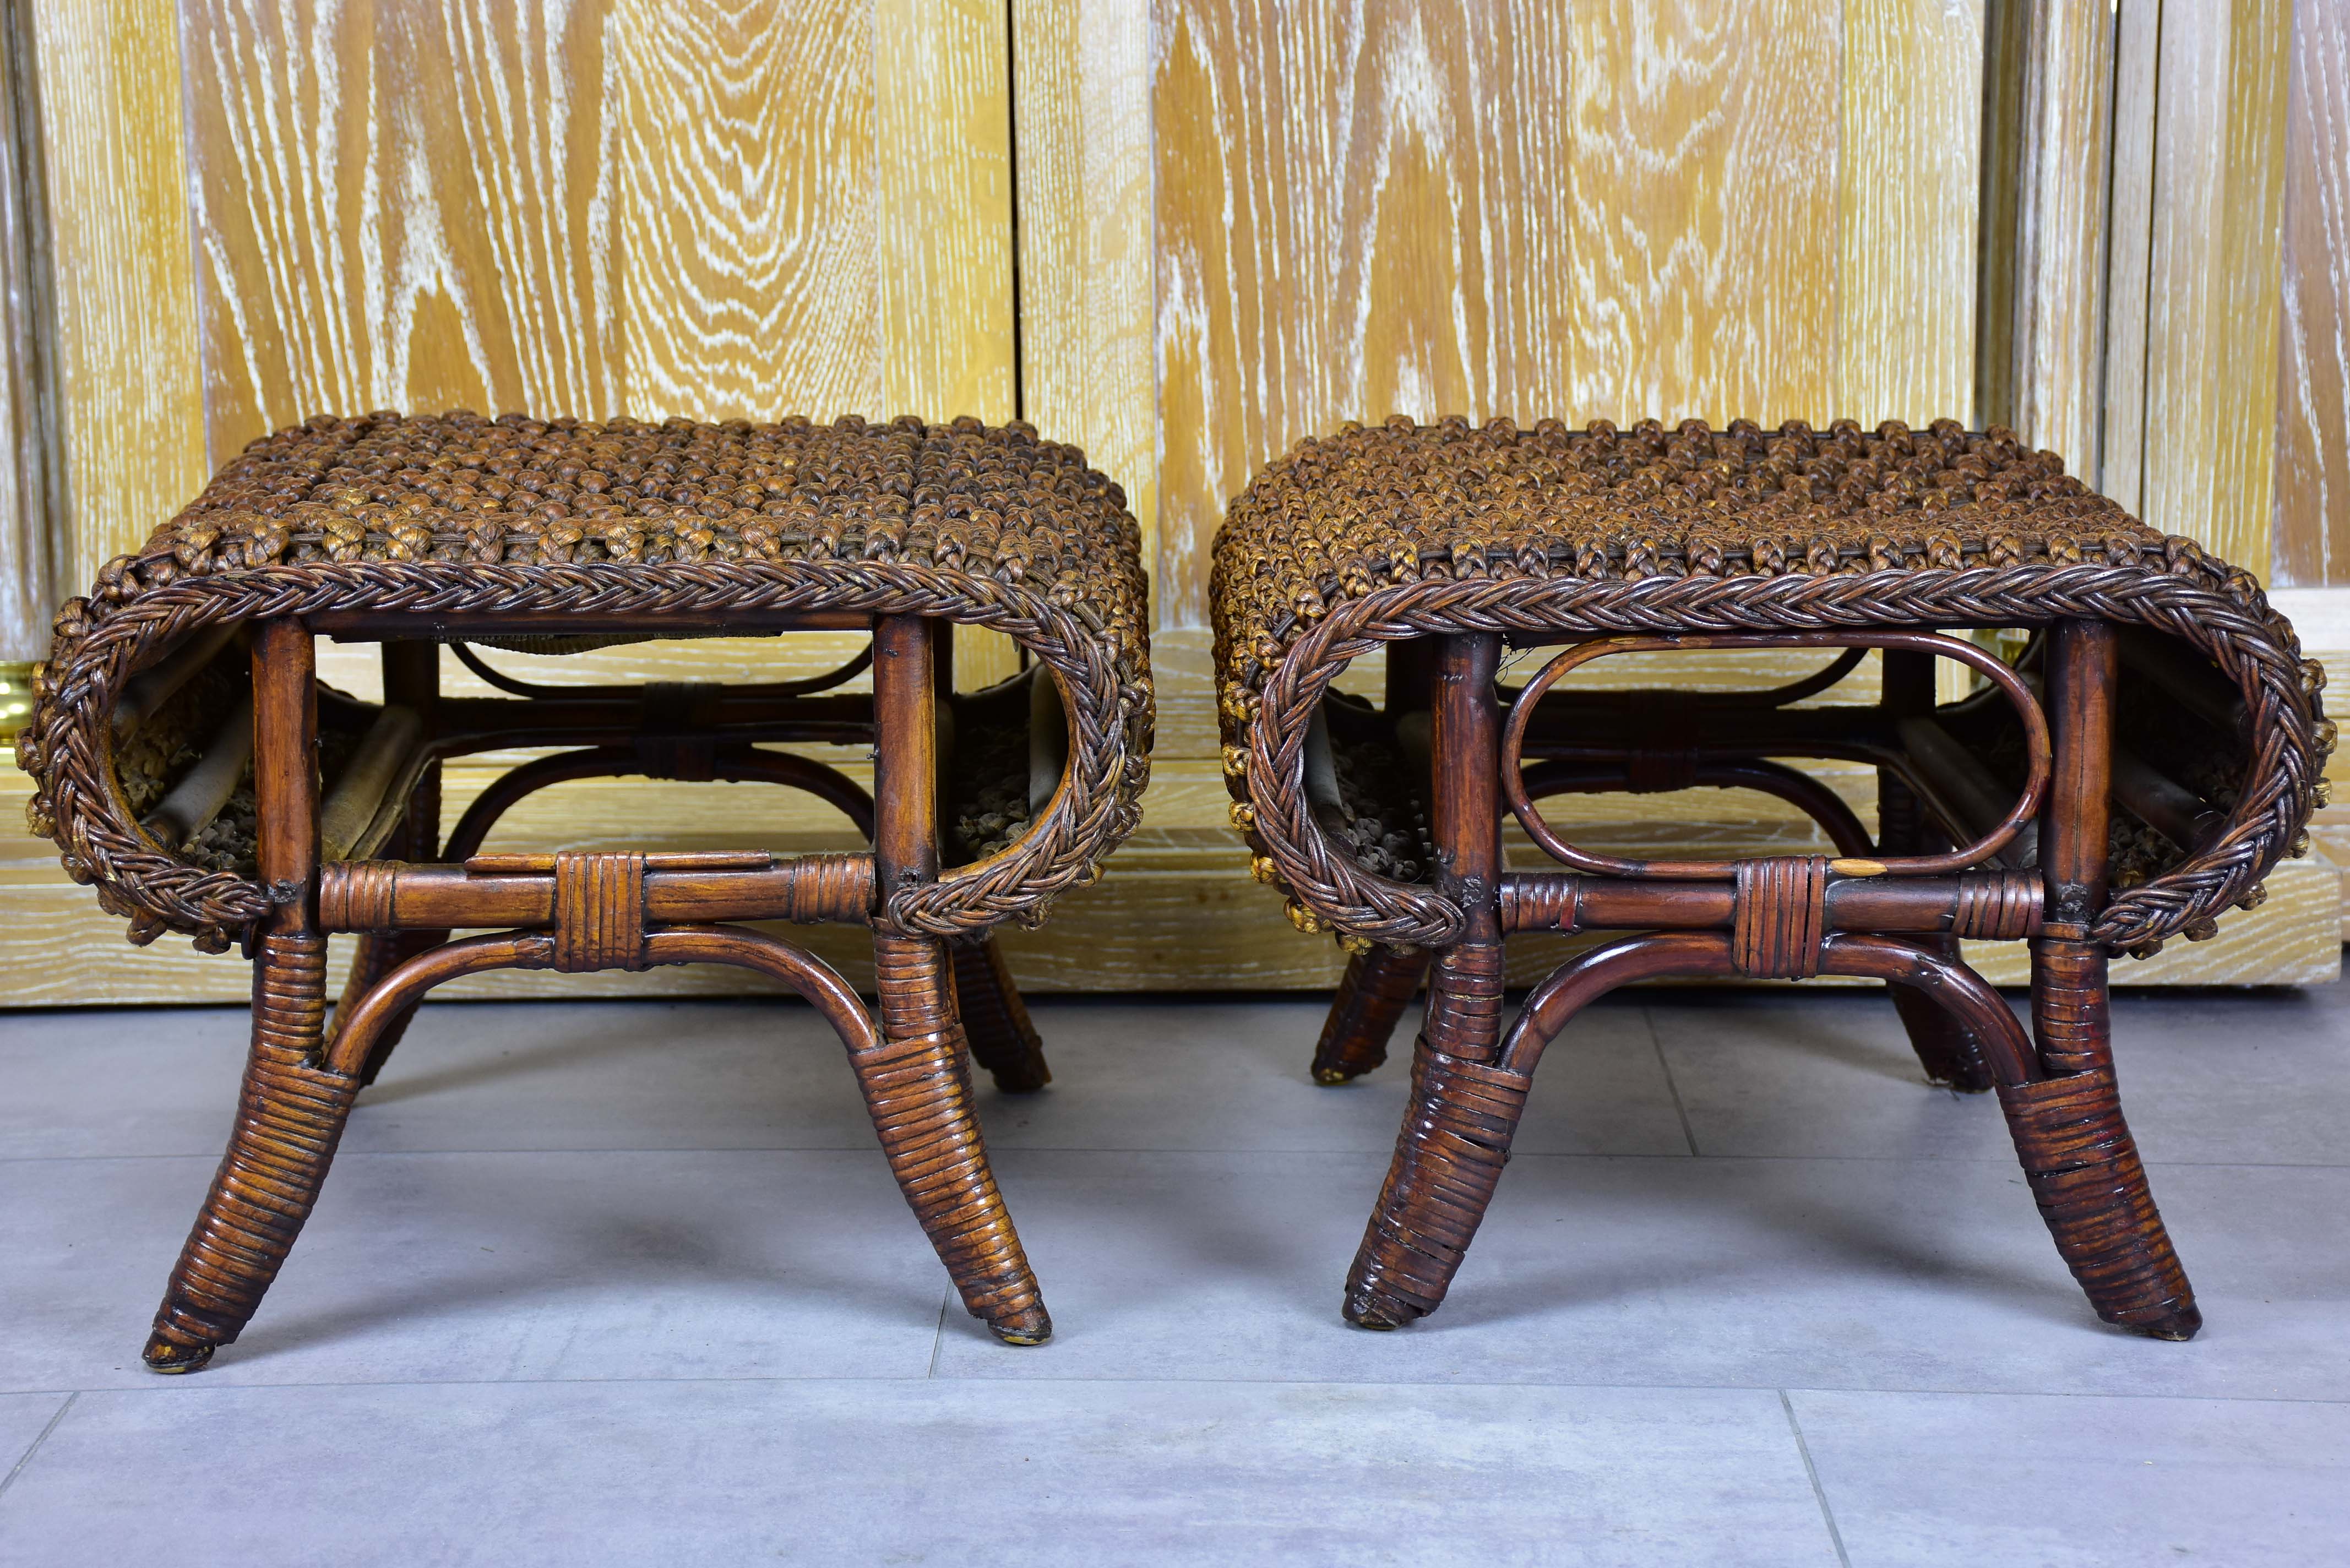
(1343, 515)
(516, 491)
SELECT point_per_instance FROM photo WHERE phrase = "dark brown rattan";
(1439, 543)
(1379, 536)
(578, 535)
(677, 525)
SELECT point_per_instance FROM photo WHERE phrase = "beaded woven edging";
(66, 745)
(2216, 609)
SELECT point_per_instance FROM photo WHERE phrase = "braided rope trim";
(2214, 611)
(1107, 690)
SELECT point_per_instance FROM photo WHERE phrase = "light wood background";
(1185, 234)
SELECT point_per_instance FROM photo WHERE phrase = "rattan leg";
(2081, 1161)
(1377, 988)
(1003, 1038)
(917, 1084)
(289, 1118)
(2076, 1151)
(1464, 1107)
(1456, 1136)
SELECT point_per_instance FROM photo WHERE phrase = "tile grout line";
(938, 1340)
(1819, 1495)
(1656, 1044)
(19, 1467)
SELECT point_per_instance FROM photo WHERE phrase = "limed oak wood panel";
(130, 377)
(1081, 93)
(1577, 210)
(2215, 267)
(2313, 514)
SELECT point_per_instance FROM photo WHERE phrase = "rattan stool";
(2152, 754)
(190, 671)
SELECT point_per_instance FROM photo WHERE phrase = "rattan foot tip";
(1032, 1326)
(1379, 1313)
(1027, 1079)
(1331, 1077)
(1962, 1082)
(2178, 1326)
(170, 1356)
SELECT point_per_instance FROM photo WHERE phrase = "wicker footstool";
(2148, 758)
(192, 767)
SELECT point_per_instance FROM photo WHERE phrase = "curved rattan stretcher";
(2158, 749)
(192, 768)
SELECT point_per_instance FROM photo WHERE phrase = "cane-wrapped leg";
(1377, 988)
(290, 1116)
(917, 1084)
(1464, 1108)
(2076, 1151)
(2081, 1160)
(1003, 1038)
(1448, 1159)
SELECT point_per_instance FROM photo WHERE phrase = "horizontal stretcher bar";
(1979, 904)
(520, 891)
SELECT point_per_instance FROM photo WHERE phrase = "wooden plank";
(2129, 249)
(2216, 275)
(1705, 202)
(398, 207)
(1362, 210)
(2313, 504)
(1911, 180)
(31, 497)
(943, 206)
(746, 229)
(129, 379)
(1081, 96)
(2043, 300)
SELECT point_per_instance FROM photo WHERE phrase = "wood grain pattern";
(1591, 210)
(2312, 510)
(1361, 209)
(1912, 136)
(747, 222)
(2129, 249)
(396, 208)
(2212, 373)
(720, 211)
(1081, 96)
(2065, 148)
(29, 496)
(129, 382)
(1706, 178)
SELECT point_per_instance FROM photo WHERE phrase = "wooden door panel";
(1602, 210)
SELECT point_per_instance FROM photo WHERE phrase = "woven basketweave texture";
(1404, 530)
(461, 515)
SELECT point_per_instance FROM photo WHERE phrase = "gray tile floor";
(629, 1282)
